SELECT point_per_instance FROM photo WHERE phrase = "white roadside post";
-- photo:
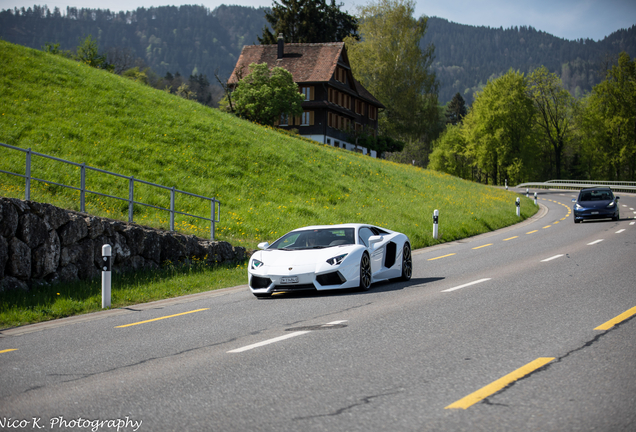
(518, 207)
(535, 198)
(506, 184)
(106, 268)
(527, 192)
(435, 223)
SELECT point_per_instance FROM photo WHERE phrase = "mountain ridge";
(195, 40)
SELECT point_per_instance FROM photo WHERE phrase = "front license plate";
(594, 213)
(289, 280)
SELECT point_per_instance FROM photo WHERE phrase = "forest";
(195, 40)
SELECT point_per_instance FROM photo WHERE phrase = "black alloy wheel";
(407, 263)
(365, 272)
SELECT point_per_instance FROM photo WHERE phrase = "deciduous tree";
(498, 130)
(390, 62)
(554, 114)
(608, 123)
(263, 96)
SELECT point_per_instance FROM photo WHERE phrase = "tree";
(263, 95)
(307, 21)
(389, 62)
(608, 123)
(136, 75)
(456, 109)
(88, 53)
(450, 153)
(554, 108)
(498, 130)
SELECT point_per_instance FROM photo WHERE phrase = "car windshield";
(314, 239)
(596, 195)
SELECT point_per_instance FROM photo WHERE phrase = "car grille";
(260, 282)
(333, 278)
(291, 287)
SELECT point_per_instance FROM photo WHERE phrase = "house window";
(359, 107)
(284, 120)
(307, 92)
(373, 112)
(307, 118)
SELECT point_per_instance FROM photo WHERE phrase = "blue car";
(596, 203)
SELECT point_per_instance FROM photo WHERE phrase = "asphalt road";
(508, 331)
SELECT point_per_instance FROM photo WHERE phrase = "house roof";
(307, 62)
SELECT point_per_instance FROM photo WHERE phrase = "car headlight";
(256, 264)
(577, 207)
(611, 205)
(336, 260)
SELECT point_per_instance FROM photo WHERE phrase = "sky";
(568, 19)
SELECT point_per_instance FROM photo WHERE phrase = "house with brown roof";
(336, 105)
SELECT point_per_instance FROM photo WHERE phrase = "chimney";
(281, 46)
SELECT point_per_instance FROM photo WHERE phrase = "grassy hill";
(268, 182)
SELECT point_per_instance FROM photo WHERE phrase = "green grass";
(268, 182)
(48, 302)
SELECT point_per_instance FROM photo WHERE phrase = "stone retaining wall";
(41, 243)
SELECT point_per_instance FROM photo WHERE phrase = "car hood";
(595, 204)
(275, 258)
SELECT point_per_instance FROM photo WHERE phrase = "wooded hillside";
(196, 40)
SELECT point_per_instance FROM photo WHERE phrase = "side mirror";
(375, 239)
(573, 199)
(263, 245)
(617, 198)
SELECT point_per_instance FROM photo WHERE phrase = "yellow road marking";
(8, 350)
(160, 318)
(532, 232)
(495, 386)
(479, 247)
(622, 317)
(548, 226)
(510, 238)
(443, 256)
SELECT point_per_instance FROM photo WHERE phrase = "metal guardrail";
(215, 205)
(619, 186)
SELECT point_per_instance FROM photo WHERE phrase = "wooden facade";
(336, 105)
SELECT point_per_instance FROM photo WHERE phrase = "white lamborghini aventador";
(330, 257)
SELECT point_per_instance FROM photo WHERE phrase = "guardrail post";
(212, 219)
(518, 207)
(106, 275)
(131, 198)
(27, 186)
(172, 208)
(83, 187)
(435, 224)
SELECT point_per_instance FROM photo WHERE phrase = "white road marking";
(551, 258)
(269, 341)
(335, 323)
(632, 223)
(620, 231)
(467, 285)
(594, 242)
(281, 338)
